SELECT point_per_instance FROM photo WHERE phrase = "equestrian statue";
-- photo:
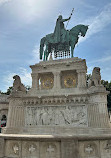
(62, 40)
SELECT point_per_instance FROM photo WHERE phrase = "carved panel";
(69, 79)
(56, 115)
(30, 149)
(105, 148)
(89, 149)
(49, 150)
(47, 81)
(13, 149)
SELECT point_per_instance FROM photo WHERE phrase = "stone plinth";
(61, 102)
(57, 68)
(48, 146)
(60, 117)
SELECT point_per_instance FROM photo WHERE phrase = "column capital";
(56, 73)
(81, 71)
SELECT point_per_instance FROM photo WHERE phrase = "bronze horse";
(48, 41)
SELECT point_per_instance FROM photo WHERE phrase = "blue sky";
(24, 22)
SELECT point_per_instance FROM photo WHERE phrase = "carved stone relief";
(46, 81)
(89, 149)
(56, 115)
(30, 149)
(16, 149)
(13, 148)
(50, 150)
(105, 149)
(69, 79)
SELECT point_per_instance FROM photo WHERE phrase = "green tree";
(9, 90)
(108, 88)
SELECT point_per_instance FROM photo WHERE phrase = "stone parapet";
(59, 146)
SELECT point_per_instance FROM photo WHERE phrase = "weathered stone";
(60, 117)
(2, 145)
(69, 149)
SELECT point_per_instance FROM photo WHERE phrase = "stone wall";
(48, 147)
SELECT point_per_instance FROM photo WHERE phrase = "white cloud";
(89, 70)
(98, 23)
(8, 80)
(24, 75)
(35, 54)
(26, 11)
(101, 60)
(101, 21)
(4, 1)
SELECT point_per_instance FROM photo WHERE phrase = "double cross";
(15, 148)
(50, 149)
(89, 149)
(31, 149)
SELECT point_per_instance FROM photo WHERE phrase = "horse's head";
(84, 29)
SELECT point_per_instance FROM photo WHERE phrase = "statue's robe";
(60, 33)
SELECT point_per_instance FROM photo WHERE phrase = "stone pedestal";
(60, 117)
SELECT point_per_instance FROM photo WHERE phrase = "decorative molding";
(55, 100)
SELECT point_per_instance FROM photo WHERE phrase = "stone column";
(98, 110)
(81, 78)
(16, 115)
(35, 81)
(57, 82)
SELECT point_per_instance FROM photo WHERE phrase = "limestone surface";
(61, 116)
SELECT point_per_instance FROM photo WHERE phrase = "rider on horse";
(61, 40)
(60, 33)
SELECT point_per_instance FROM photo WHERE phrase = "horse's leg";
(72, 49)
(44, 56)
(42, 42)
(47, 53)
(71, 52)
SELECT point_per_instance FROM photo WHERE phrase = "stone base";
(50, 146)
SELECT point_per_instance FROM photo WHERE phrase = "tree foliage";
(9, 90)
(108, 88)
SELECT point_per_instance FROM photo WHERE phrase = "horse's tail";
(42, 42)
